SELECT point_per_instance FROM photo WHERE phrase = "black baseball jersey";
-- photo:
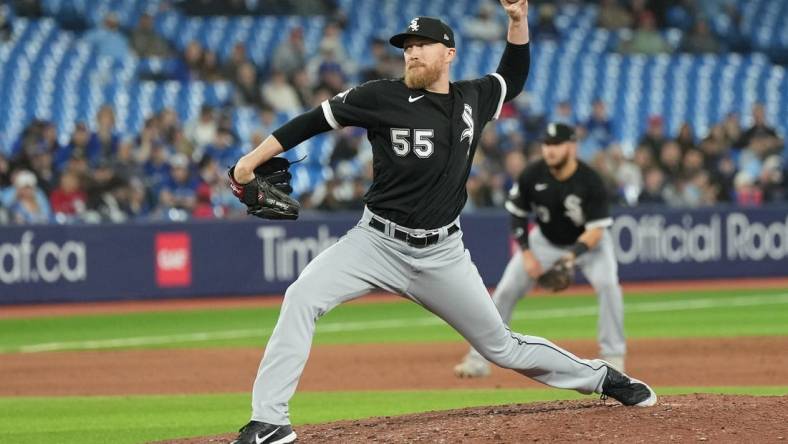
(563, 209)
(422, 143)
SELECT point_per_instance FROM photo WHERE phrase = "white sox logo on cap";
(414, 24)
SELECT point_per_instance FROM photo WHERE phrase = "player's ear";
(450, 53)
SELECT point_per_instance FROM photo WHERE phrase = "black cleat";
(626, 390)
(257, 432)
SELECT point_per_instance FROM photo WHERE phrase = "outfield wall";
(143, 261)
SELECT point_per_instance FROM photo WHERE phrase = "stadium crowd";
(174, 170)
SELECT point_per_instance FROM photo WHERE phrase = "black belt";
(410, 239)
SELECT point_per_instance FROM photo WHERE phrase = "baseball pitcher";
(424, 130)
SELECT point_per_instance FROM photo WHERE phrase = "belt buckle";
(420, 241)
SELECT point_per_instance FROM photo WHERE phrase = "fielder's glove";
(559, 276)
(267, 195)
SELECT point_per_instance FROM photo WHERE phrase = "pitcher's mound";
(686, 418)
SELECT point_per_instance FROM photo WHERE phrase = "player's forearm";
(516, 58)
(519, 227)
(244, 169)
(513, 67)
(290, 134)
(591, 237)
(517, 32)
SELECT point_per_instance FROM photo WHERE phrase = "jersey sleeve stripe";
(503, 94)
(329, 115)
(603, 223)
(514, 209)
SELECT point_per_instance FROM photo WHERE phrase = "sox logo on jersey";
(467, 117)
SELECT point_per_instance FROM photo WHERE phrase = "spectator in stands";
(108, 39)
(604, 166)
(646, 39)
(304, 88)
(266, 122)
(247, 89)
(680, 14)
(545, 28)
(629, 177)
(237, 58)
(137, 206)
(384, 65)
(156, 168)
(654, 137)
(700, 40)
(6, 30)
(670, 159)
(189, 66)
(772, 180)
(644, 158)
(331, 77)
(331, 42)
(210, 71)
(697, 191)
(746, 191)
(28, 8)
(223, 149)
(103, 143)
(653, 189)
(49, 138)
(564, 113)
(209, 174)
(202, 131)
(203, 208)
(146, 42)
(478, 189)
(613, 16)
(514, 163)
(732, 129)
(760, 136)
(124, 162)
(290, 56)
(146, 138)
(26, 207)
(484, 25)
(169, 125)
(598, 130)
(714, 146)
(101, 189)
(42, 166)
(77, 147)
(686, 137)
(489, 153)
(5, 171)
(724, 172)
(68, 199)
(692, 163)
(280, 94)
(179, 190)
(347, 145)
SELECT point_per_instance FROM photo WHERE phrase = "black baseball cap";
(429, 27)
(557, 133)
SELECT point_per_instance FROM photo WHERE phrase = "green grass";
(135, 419)
(682, 314)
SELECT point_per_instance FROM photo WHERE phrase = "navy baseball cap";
(557, 133)
(429, 27)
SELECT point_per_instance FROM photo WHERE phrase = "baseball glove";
(267, 196)
(559, 276)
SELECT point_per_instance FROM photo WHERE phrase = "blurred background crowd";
(173, 166)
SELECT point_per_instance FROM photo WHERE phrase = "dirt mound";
(698, 417)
